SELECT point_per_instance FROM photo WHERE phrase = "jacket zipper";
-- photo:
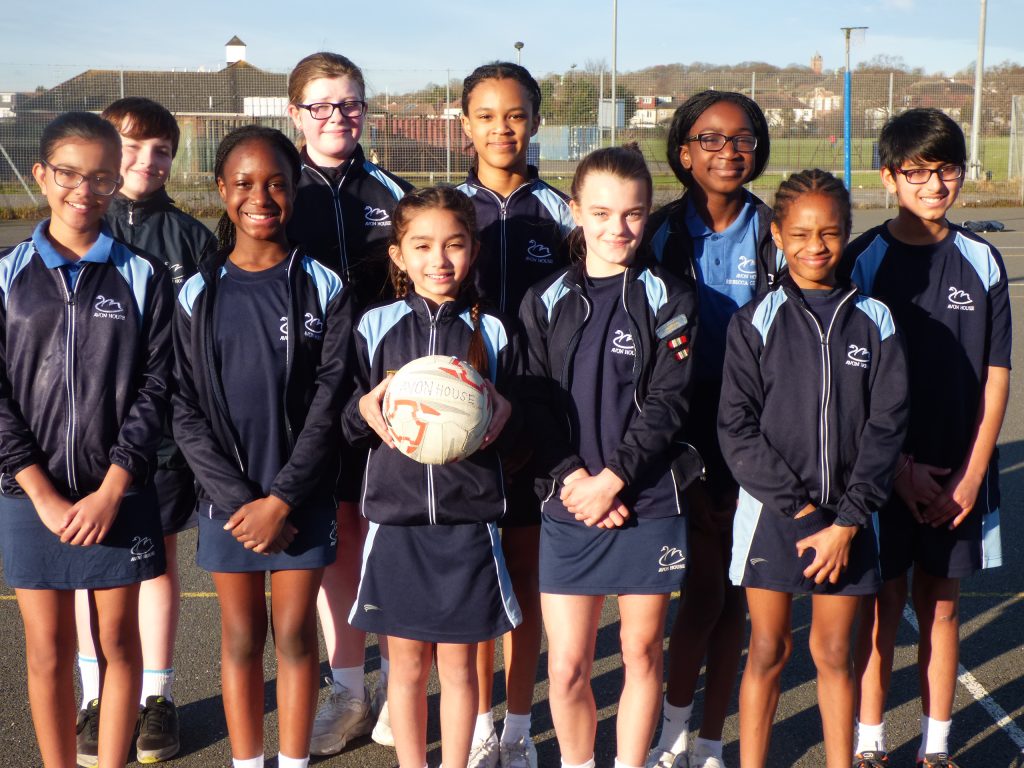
(431, 347)
(69, 375)
(570, 351)
(503, 211)
(339, 222)
(824, 338)
(288, 349)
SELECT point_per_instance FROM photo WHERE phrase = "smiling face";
(500, 123)
(436, 252)
(145, 165)
(812, 234)
(725, 170)
(926, 202)
(329, 142)
(75, 212)
(258, 191)
(612, 212)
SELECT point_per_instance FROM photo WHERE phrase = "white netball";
(437, 409)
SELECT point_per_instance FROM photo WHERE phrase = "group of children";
(648, 425)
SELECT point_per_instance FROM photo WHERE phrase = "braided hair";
(818, 182)
(271, 136)
(461, 207)
(501, 70)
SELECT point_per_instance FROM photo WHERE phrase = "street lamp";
(518, 45)
(847, 173)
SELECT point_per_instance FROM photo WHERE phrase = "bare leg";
(937, 604)
(456, 668)
(159, 610)
(641, 635)
(831, 628)
(522, 644)
(117, 613)
(876, 645)
(346, 645)
(411, 661)
(571, 623)
(49, 619)
(293, 611)
(243, 629)
(771, 643)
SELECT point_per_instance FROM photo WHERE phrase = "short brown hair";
(140, 118)
(322, 64)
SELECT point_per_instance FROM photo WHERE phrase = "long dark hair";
(451, 200)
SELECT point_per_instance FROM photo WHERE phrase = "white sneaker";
(518, 754)
(660, 758)
(339, 719)
(699, 759)
(382, 733)
(484, 754)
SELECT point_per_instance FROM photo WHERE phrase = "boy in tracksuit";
(144, 216)
(948, 291)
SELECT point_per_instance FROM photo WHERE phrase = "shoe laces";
(92, 719)
(340, 699)
(482, 750)
(155, 717)
(872, 759)
(665, 759)
(938, 760)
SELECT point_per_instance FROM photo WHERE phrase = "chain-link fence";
(416, 132)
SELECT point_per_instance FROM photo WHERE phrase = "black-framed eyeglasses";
(714, 142)
(924, 175)
(104, 186)
(323, 110)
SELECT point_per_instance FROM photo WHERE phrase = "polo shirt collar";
(99, 253)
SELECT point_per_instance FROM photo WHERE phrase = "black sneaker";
(937, 760)
(871, 759)
(158, 731)
(87, 735)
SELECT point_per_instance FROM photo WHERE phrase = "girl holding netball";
(523, 225)
(452, 589)
(85, 338)
(342, 218)
(607, 385)
(814, 455)
(262, 338)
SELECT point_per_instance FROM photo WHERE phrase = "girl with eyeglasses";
(717, 235)
(342, 218)
(85, 345)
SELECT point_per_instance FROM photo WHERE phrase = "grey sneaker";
(519, 754)
(660, 758)
(484, 754)
(339, 719)
(382, 733)
(701, 759)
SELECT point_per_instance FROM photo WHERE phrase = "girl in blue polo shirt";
(85, 345)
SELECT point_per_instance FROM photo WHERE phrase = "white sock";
(589, 764)
(483, 728)
(675, 728)
(349, 678)
(870, 738)
(516, 727)
(89, 671)
(385, 668)
(249, 762)
(708, 747)
(292, 762)
(156, 682)
(934, 736)
(620, 764)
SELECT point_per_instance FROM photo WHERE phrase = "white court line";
(977, 690)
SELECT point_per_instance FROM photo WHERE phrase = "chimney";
(234, 51)
(816, 64)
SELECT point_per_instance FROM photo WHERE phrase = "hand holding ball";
(437, 409)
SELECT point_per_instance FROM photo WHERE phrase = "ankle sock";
(589, 764)
(156, 682)
(708, 747)
(870, 738)
(349, 678)
(249, 762)
(675, 727)
(516, 727)
(89, 671)
(934, 736)
(292, 762)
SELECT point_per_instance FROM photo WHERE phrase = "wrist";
(611, 481)
(277, 505)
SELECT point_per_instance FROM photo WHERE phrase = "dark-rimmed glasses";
(323, 110)
(104, 186)
(715, 142)
(924, 175)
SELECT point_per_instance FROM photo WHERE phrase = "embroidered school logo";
(672, 559)
(314, 326)
(747, 266)
(376, 217)
(622, 344)
(108, 308)
(746, 270)
(960, 300)
(757, 560)
(370, 607)
(857, 356)
(284, 329)
(539, 253)
(142, 548)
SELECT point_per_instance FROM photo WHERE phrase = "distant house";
(781, 110)
(652, 111)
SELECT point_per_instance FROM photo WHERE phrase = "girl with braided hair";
(812, 418)
(433, 578)
(262, 336)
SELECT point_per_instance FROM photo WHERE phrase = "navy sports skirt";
(35, 558)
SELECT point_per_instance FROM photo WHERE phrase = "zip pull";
(131, 214)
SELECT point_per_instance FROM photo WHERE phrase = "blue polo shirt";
(99, 253)
(726, 280)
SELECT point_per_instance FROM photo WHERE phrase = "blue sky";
(405, 43)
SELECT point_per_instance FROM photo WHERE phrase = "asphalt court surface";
(988, 725)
